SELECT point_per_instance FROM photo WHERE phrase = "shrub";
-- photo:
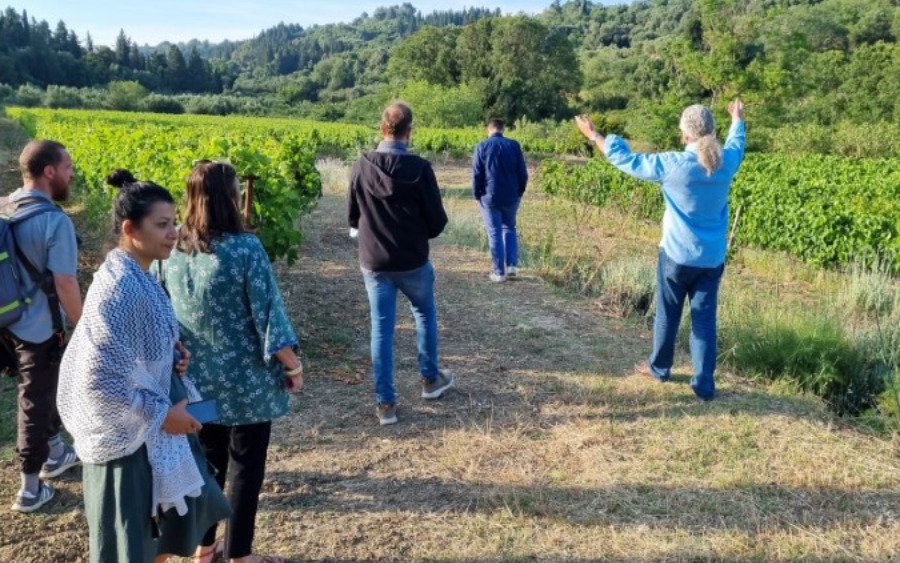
(803, 138)
(210, 105)
(440, 106)
(869, 291)
(156, 103)
(63, 97)
(7, 93)
(867, 140)
(29, 96)
(125, 95)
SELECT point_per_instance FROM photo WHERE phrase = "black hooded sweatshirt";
(395, 203)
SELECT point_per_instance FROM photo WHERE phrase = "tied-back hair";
(212, 208)
(699, 126)
(135, 199)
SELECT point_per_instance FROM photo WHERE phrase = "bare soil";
(549, 448)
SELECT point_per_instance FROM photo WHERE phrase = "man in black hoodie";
(395, 205)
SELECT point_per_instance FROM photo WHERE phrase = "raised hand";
(586, 126)
(736, 109)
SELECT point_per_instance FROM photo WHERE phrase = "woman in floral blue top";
(233, 320)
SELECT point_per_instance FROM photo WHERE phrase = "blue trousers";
(500, 223)
(676, 282)
(418, 286)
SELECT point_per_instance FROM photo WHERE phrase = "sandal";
(215, 552)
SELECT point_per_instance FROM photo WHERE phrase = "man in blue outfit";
(395, 206)
(499, 177)
(46, 244)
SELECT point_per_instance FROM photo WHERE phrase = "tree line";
(823, 63)
(32, 53)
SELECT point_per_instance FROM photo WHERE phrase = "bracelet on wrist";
(294, 372)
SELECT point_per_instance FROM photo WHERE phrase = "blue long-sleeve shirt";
(499, 173)
(695, 223)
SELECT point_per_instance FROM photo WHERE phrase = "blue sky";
(153, 21)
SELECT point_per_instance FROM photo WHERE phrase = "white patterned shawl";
(115, 377)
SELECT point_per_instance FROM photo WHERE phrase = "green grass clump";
(811, 351)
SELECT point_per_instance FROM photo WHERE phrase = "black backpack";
(13, 297)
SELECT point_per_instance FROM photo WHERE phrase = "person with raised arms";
(695, 186)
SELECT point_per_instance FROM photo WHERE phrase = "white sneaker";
(29, 502)
(511, 271)
(56, 467)
(497, 278)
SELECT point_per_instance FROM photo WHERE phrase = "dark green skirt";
(117, 498)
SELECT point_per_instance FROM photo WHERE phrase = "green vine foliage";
(344, 137)
(827, 210)
(163, 151)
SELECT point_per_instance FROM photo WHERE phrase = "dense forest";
(800, 64)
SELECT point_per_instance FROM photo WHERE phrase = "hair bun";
(120, 177)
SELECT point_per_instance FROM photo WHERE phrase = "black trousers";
(244, 448)
(37, 418)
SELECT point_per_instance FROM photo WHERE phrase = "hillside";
(832, 64)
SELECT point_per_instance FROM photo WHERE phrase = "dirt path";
(549, 449)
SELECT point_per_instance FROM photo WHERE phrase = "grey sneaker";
(434, 389)
(511, 271)
(497, 278)
(29, 502)
(56, 467)
(387, 413)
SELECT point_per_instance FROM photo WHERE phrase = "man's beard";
(59, 191)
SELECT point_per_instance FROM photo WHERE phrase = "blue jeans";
(418, 286)
(674, 282)
(500, 222)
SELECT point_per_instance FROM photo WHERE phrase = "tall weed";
(870, 291)
(629, 285)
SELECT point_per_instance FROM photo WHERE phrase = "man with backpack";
(38, 244)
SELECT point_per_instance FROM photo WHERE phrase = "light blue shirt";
(695, 223)
(48, 240)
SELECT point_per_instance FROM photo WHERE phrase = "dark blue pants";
(674, 283)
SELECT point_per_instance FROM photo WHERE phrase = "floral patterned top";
(232, 321)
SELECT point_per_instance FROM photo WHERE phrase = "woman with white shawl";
(146, 493)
